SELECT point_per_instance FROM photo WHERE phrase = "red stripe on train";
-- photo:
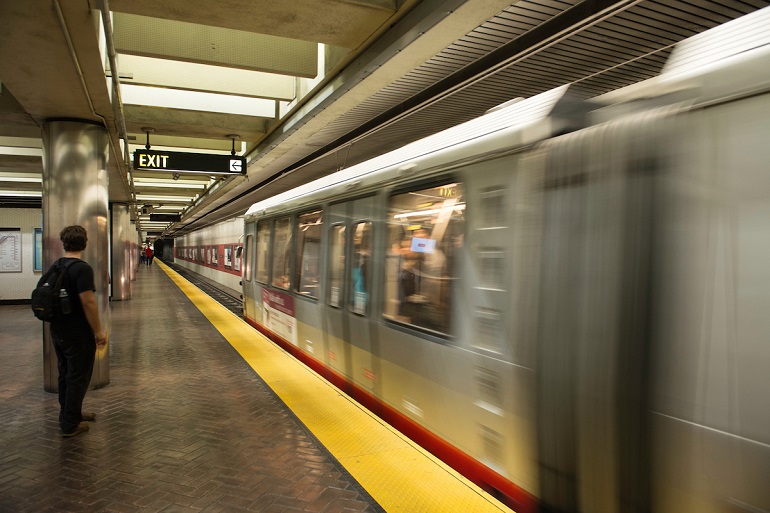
(490, 481)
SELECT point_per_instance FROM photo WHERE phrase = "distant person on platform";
(76, 337)
(148, 255)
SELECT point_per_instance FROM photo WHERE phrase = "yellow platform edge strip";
(398, 474)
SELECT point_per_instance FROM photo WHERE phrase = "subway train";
(567, 300)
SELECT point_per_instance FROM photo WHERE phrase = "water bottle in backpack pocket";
(50, 300)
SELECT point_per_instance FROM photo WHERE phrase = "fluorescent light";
(193, 100)
(175, 208)
(25, 194)
(24, 179)
(145, 180)
(30, 152)
(173, 185)
(459, 207)
(182, 199)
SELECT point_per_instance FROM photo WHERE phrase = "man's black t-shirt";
(80, 278)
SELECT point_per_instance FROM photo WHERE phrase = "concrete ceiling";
(320, 84)
(54, 64)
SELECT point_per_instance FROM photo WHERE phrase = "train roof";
(725, 61)
(525, 117)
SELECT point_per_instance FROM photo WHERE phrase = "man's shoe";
(88, 416)
(82, 428)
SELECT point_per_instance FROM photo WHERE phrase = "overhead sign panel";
(172, 218)
(189, 162)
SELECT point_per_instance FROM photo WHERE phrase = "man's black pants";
(75, 355)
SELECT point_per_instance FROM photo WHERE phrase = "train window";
(492, 443)
(248, 249)
(308, 253)
(336, 265)
(488, 330)
(488, 384)
(263, 244)
(237, 252)
(425, 232)
(282, 253)
(228, 256)
(492, 207)
(360, 271)
(492, 268)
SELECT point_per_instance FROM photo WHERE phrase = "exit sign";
(189, 162)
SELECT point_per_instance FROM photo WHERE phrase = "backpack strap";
(65, 268)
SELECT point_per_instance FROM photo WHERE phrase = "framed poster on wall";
(38, 249)
(10, 250)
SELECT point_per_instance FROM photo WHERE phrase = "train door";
(348, 298)
(358, 311)
(247, 280)
(335, 290)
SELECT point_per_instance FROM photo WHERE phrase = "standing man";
(148, 254)
(75, 338)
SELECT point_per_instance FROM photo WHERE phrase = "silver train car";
(568, 301)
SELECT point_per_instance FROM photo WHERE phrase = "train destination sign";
(189, 162)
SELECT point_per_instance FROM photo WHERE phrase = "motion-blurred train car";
(213, 252)
(565, 300)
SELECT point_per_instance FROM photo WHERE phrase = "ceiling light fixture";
(173, 185)
(180, 199)
(23, 179)
(25, 194)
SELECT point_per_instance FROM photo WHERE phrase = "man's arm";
(88, 300)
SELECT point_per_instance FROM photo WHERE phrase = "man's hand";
(88, 300)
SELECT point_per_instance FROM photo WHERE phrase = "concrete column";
(75, 191)
(121, 253)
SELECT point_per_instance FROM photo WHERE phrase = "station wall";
(17, 265)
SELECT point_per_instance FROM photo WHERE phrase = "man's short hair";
(74, 238)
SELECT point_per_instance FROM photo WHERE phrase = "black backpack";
(50, 301)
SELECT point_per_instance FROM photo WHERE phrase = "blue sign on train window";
(420, 245)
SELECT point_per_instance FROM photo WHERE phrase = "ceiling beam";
(178, 40)
(343, 23)
(201, 77)
(188, 123)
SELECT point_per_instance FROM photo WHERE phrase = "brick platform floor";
(184, 424)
